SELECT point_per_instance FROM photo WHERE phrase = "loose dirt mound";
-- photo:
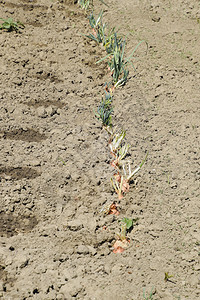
(55, 164)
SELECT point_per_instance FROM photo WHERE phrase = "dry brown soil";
(55, 163)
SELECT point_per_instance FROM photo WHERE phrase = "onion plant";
(126, 224)
(127, 169)
(101, 34)
(116, 142)
(112, 40)
(86, 4)
(118, 148)
(98, 28)
(118, 186)
(123, 177)
(117, 62)
(105, 110)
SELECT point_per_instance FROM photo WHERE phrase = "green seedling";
(104, 114)
(122, 241)
(116, 62)
(117, 67)
(105, 110)
(101, 34)
(64, 163)
(11, 25)
(97, 34)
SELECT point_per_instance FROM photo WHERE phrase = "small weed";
(11, 25)
(63, 162)
(167, 278)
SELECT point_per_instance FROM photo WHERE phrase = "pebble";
(74, 225)
(35, 163)
(50, 111)
(82, 249)
(41, 112)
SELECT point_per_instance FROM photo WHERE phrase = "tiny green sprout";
(167, 277)
(10, 25)
(64, 163)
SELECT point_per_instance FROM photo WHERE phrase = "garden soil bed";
(55, 162)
